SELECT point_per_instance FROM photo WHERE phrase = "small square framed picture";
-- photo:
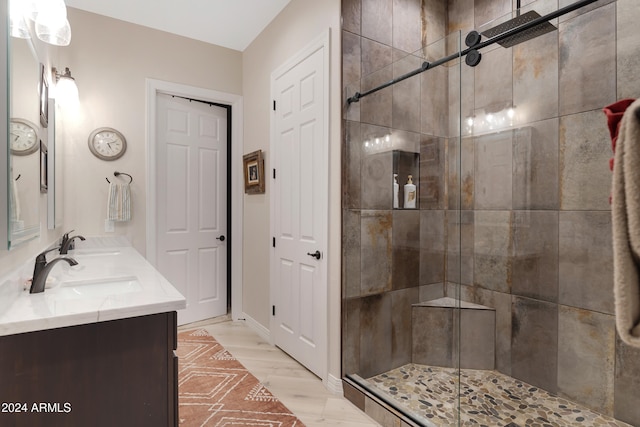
(253, 173)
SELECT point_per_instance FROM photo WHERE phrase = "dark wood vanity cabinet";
(114, 373)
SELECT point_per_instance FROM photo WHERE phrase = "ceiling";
(229, 23)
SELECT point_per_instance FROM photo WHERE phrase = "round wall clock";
(24, 137)
(107, 143)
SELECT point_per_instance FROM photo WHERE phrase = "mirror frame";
(4, 125)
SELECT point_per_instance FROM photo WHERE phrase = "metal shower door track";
(473, 49)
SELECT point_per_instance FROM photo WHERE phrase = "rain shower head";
(531, 33)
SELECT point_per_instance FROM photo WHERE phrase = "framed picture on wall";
(44, 98)
(253, 173)
(44, 168)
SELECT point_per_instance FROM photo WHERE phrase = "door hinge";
(273, 310)
(274, 242)
(274, 105)
(274, 173)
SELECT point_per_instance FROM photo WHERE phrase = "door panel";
(191, 198)
(300, 209)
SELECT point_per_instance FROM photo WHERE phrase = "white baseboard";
(334, 385)
(258, 328)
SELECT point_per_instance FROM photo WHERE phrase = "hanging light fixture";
(17, 23)
(52, 25)
(66, 92)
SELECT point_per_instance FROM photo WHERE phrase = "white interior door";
(300, 209)
(191, 249)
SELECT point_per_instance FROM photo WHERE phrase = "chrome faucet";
(67, 242)
(42, 268)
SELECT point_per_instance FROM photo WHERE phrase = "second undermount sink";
(96, 252)
(98, 287)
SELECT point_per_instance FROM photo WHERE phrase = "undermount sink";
(95, 252)
(98, 287)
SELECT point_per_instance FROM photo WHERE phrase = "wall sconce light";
(66, 92)
(50, 17)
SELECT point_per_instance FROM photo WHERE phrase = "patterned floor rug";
(216, 390)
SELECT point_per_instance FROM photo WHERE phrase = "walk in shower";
(489, 300)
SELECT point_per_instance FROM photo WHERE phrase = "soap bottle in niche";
(410, 194)
(396, 189)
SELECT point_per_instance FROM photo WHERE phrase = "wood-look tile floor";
(300, 391)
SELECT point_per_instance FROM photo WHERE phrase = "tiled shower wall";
(533, 238)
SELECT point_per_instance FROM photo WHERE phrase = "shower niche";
(405, 179)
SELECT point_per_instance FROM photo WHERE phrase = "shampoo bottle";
(410, 194)
(396, 189)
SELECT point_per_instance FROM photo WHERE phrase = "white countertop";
(136, 289)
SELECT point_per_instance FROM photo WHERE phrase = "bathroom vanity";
(96, 348)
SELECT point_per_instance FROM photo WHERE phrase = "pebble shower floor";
(488, 398)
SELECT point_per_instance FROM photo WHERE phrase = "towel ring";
(116, 173)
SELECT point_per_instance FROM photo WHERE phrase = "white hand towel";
(112, 201)
(125, 202)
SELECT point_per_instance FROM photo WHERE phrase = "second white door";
(300, 208)
(191, 206)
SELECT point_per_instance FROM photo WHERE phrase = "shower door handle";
(316, 254)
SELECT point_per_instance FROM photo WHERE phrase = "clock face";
(107, 143)
(24, 137)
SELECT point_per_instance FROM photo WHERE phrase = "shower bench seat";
(436, 326)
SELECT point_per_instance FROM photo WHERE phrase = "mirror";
(26, 135)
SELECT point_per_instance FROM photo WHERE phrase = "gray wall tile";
(494, 81)
(351, 336)
(586, 357)
(351, 262)
(535, 259)
(627, 378)
(535, 343)
(351, 58)
(401, 317)
(375, 56)
(434, 118)
(407, 25)
(585, 149)
(493, 171)
(377, 20)
(432, 173)
(488, 10)
(406, 249)
(587, 61)
(432, 247)
(375, 330)
(351, 15)
(433, 340)
(352, 159)
(535, 166)
(376, 109)
(535, 78)
(492, 250)
(406, 105)
(376, 235)
(627, 48)
(586, 261)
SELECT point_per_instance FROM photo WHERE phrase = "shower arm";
(428, 65)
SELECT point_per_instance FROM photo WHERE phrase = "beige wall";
(110, 60)
(300, 22)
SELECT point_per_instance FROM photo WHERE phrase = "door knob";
(316, 254)
(221, 238)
